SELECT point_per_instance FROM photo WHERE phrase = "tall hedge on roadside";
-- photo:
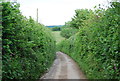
(96, 46)
(28, 47)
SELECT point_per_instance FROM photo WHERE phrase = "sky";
(55, 12)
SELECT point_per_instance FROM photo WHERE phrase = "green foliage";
(57, 36)
(0, 42)
(80, 16)
(56, 29)
(68, 32)
(96, 46)
(28, 47)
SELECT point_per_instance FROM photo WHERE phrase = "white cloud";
(55, 12)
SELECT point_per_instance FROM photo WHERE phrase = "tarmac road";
(64, 68)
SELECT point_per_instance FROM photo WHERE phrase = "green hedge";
(56, 29)
(96, 46)
(28, 47)
(68, 32)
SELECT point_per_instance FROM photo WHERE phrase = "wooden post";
(37, 14)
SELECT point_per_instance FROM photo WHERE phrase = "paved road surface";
(64, 68)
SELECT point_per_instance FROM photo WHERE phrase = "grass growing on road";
(57, 36)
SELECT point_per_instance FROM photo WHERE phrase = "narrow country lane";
(64, 68)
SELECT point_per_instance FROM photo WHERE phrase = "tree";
(80, 16)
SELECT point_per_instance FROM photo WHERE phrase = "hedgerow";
(96, 46)
(56, 29)
(28, 47)
(67, 32)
